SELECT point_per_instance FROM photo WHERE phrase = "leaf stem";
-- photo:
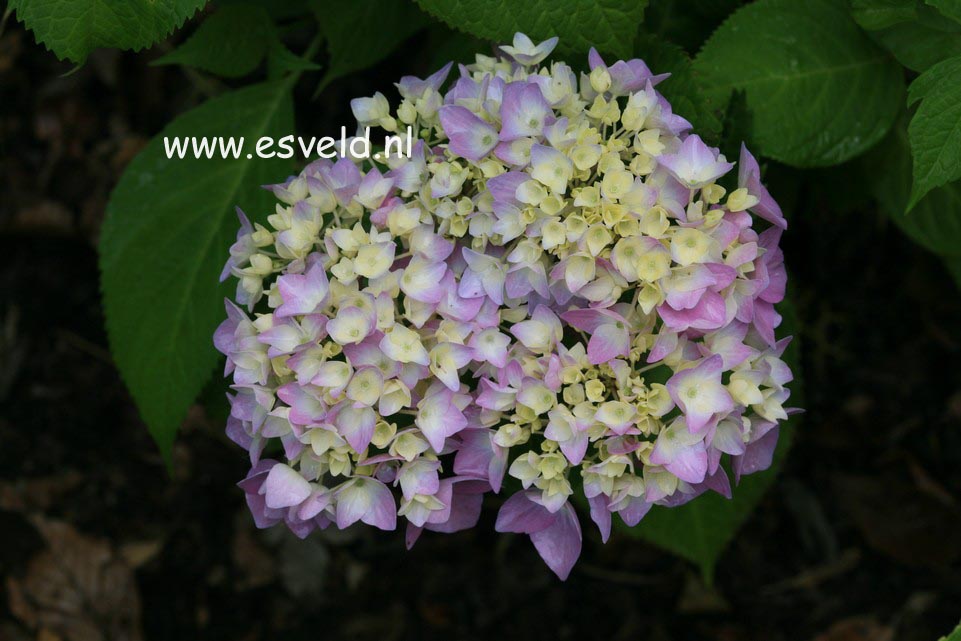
(309, 53)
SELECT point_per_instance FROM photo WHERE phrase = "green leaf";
(700, 530)
(168, 226)
(231, 42)
(608, 25)
(880, 14)
(73, 28)
(819, 89)
(935, 130)
(682, 88)
(950, 8)
(935, 221)
(918, 46)
(917, 35)
(954, 636)
(361, 33)
(737, 126)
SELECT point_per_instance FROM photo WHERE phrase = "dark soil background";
(859, 539)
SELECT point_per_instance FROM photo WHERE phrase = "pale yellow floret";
(372, 261)
(406, 344)
(383, 433)
(653, 266)
(654, 222)
(344, 270)
(279, 365)
(598, 237)
(585, 156)
(512, 434)
(365, 387)
(744, 390)
(576, 226)
(690, 246)
(713, 193)
(525, 467)
(650, 296)
(740, 199)
(339, 461)
(600, 79)
(408, 446)
(407, 113)
(595, 390)
(616, 183)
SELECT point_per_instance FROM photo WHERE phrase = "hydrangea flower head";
(553, 288)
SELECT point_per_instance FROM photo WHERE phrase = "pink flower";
(439, 416)
(506, 301)
(470, 137)
(556, 535)
(421, 280)
(626, 76)
(681, 452)
(485, 275)
(524, 112)
(695, 164)
(608, 331)
(541, 333)
(491, 346)
(368, 500)
(699, 393)
(749, 177)
(284, 487)
(302, 293)
(356, 425)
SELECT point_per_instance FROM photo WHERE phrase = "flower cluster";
(552, 294)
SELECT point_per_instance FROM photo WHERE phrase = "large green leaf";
(700, 530)
(916, 34)
(231, 42)
(935, 221)
(169, 223)
(935, 130)
(361, 33)
(917, 46)
(608, 25)
(74, 28)
(819, 89)
(950, 8)
(880, 14)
